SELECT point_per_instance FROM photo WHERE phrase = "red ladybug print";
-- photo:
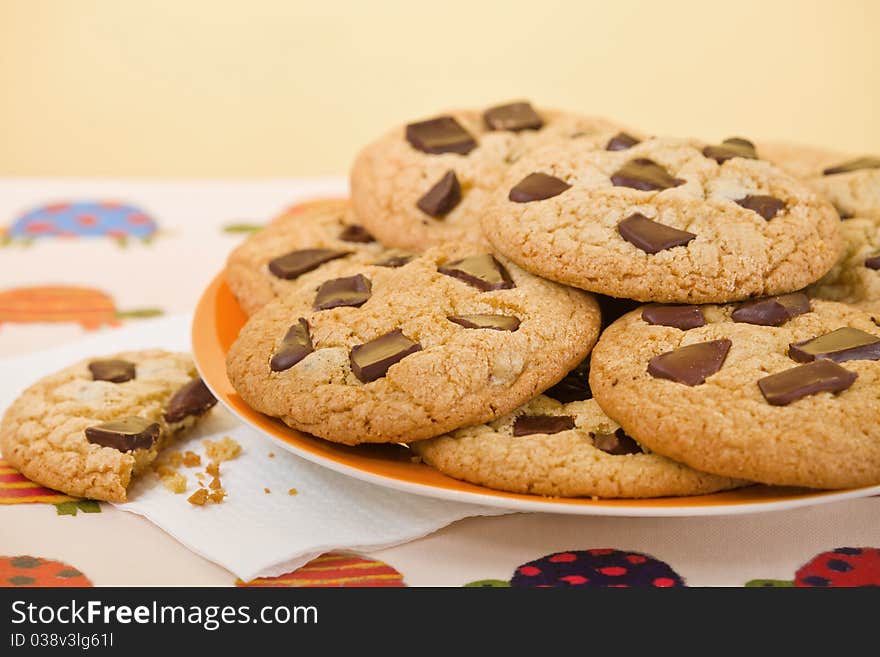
(843, 567)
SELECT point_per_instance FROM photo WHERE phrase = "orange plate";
(217, 321)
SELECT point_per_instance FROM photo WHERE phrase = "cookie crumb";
(213, 469)
(217, 496)
(271, 455)
(191, 459)
(267, 491)
(199, 497)
(174, 459)
(292, 491)
(224, 449)
(215, 483)
(200, 476)
(164, 471)
(176, 483)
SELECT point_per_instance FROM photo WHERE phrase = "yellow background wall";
(276, 88)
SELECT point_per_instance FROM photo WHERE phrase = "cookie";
(855, 279)
(850, 182)
(88, 429)
(781, 390)
(453, 338)
(663, 221)
(426, 183)
(305, 246)
(563, 450)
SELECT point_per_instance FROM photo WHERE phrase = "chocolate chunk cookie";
(452, 338)
(781, 390)
(90, 428)
(855, 279)
(427, 182)
(662, 221)
(562, 450)
(850, 182)
(305, 246)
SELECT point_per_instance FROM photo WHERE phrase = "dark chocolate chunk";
(690, 365)
(125, 434)
(613, 308)
(854, 165)
(616, 444)
(650, 236)
(398, 260)
(574, 387)
(296, 345)
(371, 360)
(766, 206)
(497, 322)
(731, 148)
(526, 425)
(441, 135)
(621, 142)
(772, 311)
(442, 197)
(349, 291)
(537, 187)
(356, 233)
(113, 370)
(645, 175)
(841, 345)
(297, 263)
(873, 262)
(483, 272)
(193, 399)
(798, 382)
(680, 317)
(513, 117)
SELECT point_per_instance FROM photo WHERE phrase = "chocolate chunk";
(442, 197)
(526, 425)
(680, 317)
(497, 322)
(349, 291)
(873, 262)
(513, 117)
(483, 272)
(772, 311)
(296, 345)
(841, 345)
(356, 233)
(650, 236)
(645, 175)
(613, 308)
(441, 135)
(125, 434)
(798, 382)
(621, 142)
(574, 387)
(731, 148)
(854, 165)
(113, 370)
(537, 187)
(690, 365)
(616, 444)
(193, 399)
(766, 206)
(297, 263)
(371, 360)
(396, 260)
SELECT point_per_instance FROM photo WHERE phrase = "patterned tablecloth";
(79, 255)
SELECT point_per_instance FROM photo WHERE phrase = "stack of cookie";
(495, 269)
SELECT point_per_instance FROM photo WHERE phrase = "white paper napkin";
(252, 533)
